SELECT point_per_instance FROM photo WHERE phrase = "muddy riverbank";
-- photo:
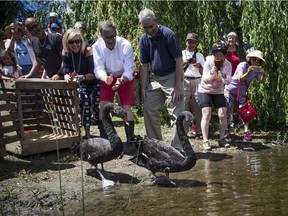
(40, 184)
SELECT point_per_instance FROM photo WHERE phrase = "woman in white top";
(216, 73)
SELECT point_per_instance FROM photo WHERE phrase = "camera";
(192, 60)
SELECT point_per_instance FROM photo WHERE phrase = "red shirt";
(233, 59)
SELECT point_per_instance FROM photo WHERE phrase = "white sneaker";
(206, 146)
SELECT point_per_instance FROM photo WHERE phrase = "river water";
(244, 183)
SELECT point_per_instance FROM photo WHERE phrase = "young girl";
(9, 67)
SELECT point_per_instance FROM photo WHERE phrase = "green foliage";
(262, 23)
(11, 11)
(267, 33)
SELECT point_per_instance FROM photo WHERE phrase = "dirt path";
(31, 185)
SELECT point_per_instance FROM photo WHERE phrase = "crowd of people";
(169, 76)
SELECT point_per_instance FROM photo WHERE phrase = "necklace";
(78, 62)
(41, 45)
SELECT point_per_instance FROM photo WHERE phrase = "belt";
(192, 78)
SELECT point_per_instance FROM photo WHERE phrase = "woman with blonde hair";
(78, 66)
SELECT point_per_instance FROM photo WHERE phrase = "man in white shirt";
(193, 68)
(114, 65)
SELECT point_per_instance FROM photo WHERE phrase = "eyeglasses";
(74, 41)
(33, 27)
(55, 29)
(109, 38)
(256, 59)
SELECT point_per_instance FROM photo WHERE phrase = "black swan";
(158, 156)
(99, 150)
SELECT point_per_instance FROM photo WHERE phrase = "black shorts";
(207, 100)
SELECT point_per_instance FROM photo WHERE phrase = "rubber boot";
(129, 130)
(101, 130)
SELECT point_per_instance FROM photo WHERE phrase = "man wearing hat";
(20, 46)
(245, 72)
(193, 63)
(47, 47)
(55, 28)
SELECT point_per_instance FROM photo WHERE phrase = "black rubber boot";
(101, 130)
(129, 130)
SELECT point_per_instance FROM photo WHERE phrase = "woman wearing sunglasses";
(78, 66)
(245, 73)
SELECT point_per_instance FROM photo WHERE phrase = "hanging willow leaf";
(262, 23)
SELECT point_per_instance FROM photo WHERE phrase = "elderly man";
(47, 47)
(160, 48)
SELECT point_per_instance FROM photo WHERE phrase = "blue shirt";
(23, 56)
(160, 51)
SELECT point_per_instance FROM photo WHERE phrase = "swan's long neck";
(109, 128)
(184, 141)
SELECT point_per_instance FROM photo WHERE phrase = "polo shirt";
(160, 51)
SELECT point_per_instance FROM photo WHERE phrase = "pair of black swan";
(158, 156)
(99, 150)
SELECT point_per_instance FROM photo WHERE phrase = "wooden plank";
(41, 145)
(7, 85)
(63, 116)
(20, 113)
(30, 127)
(30, 121)
(44, 84)
(8, 107)
(10, 117)
(8, 97)
(9, 129)
(8, 139)
(61, 125)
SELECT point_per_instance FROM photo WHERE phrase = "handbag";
(247, 112)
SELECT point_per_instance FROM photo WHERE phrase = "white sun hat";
(256, 54)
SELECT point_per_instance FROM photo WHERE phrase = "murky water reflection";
(246, 183)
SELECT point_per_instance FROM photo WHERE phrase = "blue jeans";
(230, 98)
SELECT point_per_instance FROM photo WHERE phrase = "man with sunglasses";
(245, 73)
(47, 47)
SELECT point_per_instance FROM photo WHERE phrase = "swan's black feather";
(99, 150)
(158, 156)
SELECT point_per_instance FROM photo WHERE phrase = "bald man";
(47, 47)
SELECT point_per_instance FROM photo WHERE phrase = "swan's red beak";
(125, 119)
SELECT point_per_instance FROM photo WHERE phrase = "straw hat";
(8, 29)
(256, 54)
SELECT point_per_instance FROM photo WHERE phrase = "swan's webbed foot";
(106, 183)
(163, 181)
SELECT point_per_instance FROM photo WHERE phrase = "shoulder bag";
(247, 112)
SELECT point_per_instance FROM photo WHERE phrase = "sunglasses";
(256, 59)
(55, 29)
(33, 27)
(74, 41)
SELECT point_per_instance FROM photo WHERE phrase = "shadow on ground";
(11, 165)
